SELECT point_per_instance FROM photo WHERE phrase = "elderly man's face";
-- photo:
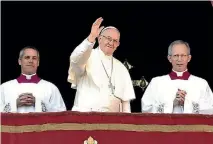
(29, 61)
(109, 41)
(180, 57)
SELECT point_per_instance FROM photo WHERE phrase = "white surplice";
(161, 93)
(87, 75)
(47, 97)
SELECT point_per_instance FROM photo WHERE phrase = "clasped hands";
(180, 98)
(25, 99)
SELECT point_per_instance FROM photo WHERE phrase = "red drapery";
(104, 128)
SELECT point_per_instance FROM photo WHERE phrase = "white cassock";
(161, 92)
(47, 97)
(87, 75)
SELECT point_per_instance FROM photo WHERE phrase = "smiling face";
(29, 61)
(109, 41)
(179, 57)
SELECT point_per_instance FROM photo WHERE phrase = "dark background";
(147, 29)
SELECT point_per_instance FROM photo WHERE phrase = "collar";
(23, 78)
(103, 56)
(179, 75)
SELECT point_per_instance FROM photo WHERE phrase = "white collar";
(29, 76)
(179, 73)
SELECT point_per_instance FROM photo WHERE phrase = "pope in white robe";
(103, 83)
(29, 93)
(178, 91)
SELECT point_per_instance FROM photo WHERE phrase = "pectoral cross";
(111, 87)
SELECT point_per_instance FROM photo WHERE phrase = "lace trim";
(43, 107)
(7, 108)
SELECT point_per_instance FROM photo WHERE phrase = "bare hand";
(95, 30)
(25, 99)
(180, 97)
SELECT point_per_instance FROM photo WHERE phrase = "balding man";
(28, 92)
(103, 83)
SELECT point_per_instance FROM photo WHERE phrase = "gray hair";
(178, 42)
(21, 53)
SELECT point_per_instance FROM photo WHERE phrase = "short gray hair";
(178, 42)
(21, 53)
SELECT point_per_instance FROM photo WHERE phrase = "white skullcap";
(109, 27)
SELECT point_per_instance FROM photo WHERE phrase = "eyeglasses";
(109, 39)
(177, 56)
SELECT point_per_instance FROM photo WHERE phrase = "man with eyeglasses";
(179, 91)
(103, 83)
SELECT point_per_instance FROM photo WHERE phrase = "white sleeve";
(56, 102)
(6, 106)
(148, 99)
(2, 101)
(128, 92)
(206, 100)
(78, 60)
(7, 103)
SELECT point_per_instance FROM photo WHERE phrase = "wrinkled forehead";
(180, 49)
(30, 52)
(112, 32)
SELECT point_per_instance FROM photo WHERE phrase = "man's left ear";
(118, 44)
(189, 59)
